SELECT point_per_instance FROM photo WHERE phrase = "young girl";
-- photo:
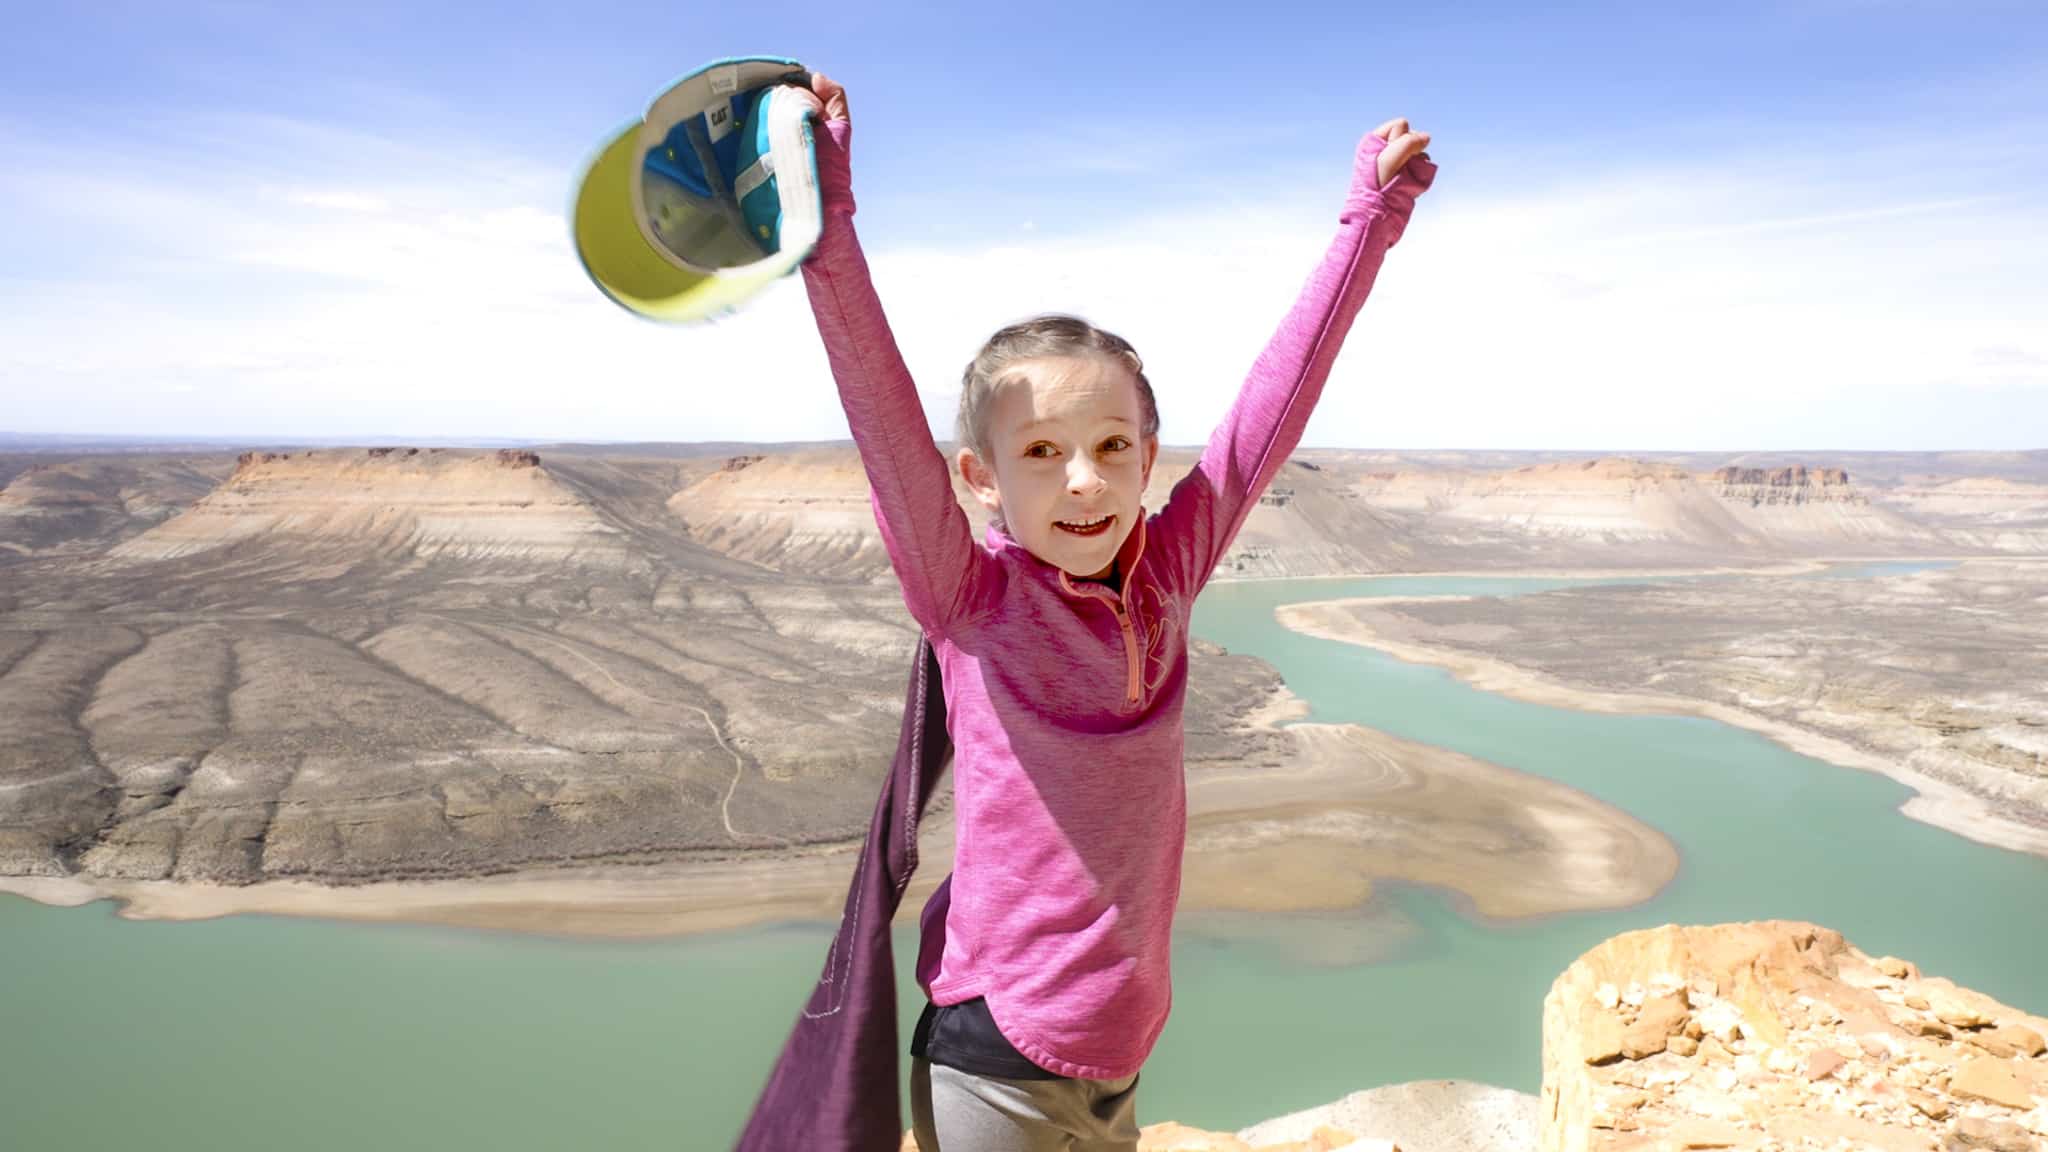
(1062, 643)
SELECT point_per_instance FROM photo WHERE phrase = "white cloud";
(340, 200)
(397, 289)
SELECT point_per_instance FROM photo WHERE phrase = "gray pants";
(955, 1111)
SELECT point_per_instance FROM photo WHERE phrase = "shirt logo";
(1159, 617)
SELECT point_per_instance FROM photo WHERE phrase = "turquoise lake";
(271, 1033)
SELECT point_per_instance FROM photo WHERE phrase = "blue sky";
(1803, 225)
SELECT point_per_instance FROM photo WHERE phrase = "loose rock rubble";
(1782, 1036)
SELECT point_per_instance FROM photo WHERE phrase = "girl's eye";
(1034, 449)
(1116, 444)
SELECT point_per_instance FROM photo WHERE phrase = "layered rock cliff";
(803, 512)
(401, 503)
(1795, 484)
(1796, 507)
(1650, 509)
(806, 512)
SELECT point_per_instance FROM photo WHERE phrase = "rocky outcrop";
(805, 512)
(1800, 508)
(1640, 510)
(1796, 484)
(391, 503)
(1781, 1035)
(1612, 499)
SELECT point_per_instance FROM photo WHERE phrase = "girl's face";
(1069, 460)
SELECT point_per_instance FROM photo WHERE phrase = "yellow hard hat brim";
(629, 269)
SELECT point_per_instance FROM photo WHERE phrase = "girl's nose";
(1083, 478)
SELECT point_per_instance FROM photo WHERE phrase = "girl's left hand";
(831, 96)
(1388, 173)
(1402, 146)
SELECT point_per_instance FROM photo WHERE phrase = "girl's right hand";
(834, 142)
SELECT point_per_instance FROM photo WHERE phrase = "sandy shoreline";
(627, 902)
(1361, 807)
(1935, 802)
(1352, 806)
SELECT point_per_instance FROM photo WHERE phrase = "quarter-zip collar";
(1127, 556)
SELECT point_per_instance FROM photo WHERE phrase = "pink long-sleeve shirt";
(1065, 698)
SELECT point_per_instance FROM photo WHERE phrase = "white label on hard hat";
(725, 81)
(718, 122)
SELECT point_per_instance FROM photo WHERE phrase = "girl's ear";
(1151, 455)
(980, 479)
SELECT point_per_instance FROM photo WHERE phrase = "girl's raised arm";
(946, 578)
(1208, 506)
